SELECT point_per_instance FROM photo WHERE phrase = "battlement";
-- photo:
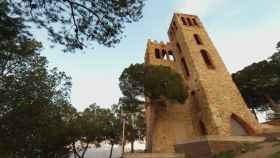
(161, 53)
(158, 43)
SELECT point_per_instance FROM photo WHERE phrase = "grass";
(226, 154)
(275, 155)
(249, 147)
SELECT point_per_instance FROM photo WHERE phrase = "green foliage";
(32, 96)
(92, 126)
(275, 155)
(14, 37)
(278, 45)
(152, 81)
(75, 24)
(226, 154)
(155, 82)
(132, 111)
(259, 82)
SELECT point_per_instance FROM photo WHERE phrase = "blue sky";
(243, 32)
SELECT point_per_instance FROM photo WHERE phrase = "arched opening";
(207, 59)
(171, 55)
(157, 53)
(184, 21)
(239, 127)
(189, 21)
(164, 54)
(197, 39)
(202, 128)
(194, 21)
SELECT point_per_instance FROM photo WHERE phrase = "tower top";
(180, 19)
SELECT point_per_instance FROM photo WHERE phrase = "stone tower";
(214, 105)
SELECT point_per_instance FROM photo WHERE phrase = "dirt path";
(266, 150)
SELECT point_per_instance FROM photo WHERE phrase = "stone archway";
(239, 127)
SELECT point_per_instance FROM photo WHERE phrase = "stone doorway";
(238, 127)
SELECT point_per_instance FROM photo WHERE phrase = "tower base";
(208, 146)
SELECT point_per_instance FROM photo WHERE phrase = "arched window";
(187, 72)
(189, 21)
(238, 126)
(207, 59)
(194, 21)
(184, 21)
(157, 53)
(164, 54)
(197, 39)
(171, 56)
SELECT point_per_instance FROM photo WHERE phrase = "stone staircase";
(154, 155)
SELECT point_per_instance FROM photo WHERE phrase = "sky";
(244, 31)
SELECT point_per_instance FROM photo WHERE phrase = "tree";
(31, 96)
(113, 130)
(259, 83)
(30, 100)
(76, 24)
(139, 80)
(134, 119)
(156, 83)
(93, 126)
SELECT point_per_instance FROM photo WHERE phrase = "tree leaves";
(78, 24)
(259, 80)
(152, 81)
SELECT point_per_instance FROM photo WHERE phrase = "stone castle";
(214, 106)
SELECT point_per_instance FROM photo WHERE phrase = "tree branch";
(83, 6)
(74, 20)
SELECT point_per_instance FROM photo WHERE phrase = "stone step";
(154, 155)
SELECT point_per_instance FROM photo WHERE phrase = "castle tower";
(214, 107)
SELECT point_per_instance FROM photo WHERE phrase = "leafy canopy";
(152, 81)
(31, 96)
(259, 83)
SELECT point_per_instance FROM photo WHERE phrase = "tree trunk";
(274, 106)
(85, 150)
(151, 128)
(76, 154)
(132, 146)
(111, 151)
